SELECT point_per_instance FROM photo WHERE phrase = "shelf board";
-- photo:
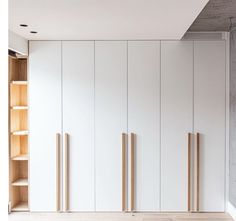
(20, 132)
(19, 107)
(20, 157)
(20, 207)
(20, 56)
(20, 182)
(19, 82)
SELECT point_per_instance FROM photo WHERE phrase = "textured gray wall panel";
(215, 16)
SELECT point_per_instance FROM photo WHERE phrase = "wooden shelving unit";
(18, 134)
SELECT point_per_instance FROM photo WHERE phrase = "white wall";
(3, 111)
(17, 43)
(232, 137)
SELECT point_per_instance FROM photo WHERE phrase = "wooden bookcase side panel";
(15, 199)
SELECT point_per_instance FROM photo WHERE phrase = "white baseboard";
(231, 210)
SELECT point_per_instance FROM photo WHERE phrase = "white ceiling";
(103, 19)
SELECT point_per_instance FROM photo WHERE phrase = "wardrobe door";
(144, 122)
(176, 122)
(44, 124)
(209, 122)
(110, 122)
(78, 123)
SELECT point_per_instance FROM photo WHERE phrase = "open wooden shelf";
(21, 207)
(18, 171)
(20, 182)
(20, 157)
(18, 69)
(19, 122)
(19, 145)
(18, 94)
(19, 107)
(19, 200)
(19, 82)
(20, 133)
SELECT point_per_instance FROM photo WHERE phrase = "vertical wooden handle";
(58, 177)
(196, 173)
(66, 172)
(132, 170)
(123, 172)
(198, 169)
(189, 172)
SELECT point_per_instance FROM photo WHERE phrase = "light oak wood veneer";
(120, 217)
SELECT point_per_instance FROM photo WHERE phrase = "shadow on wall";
(232, 167)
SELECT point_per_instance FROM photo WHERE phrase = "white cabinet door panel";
(176, 122)
(209, 121)
(110, 121)
(144, 120)
(44, 122)
(78, 121)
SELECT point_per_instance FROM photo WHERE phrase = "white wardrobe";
(176, 122)
(193, 110)
(110, 122)
(117, 125)
(144, 122)
(78, 124)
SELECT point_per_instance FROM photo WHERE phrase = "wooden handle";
(189, 172)
(66, 172)
(198, 169)
(196, 173)
(123, 172)
(132, 170)
(58, 187)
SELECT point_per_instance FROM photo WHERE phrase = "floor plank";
(119, 217)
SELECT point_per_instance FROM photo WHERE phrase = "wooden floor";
(119, 217)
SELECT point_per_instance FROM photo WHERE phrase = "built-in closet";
(193, 96)
(127, 126)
